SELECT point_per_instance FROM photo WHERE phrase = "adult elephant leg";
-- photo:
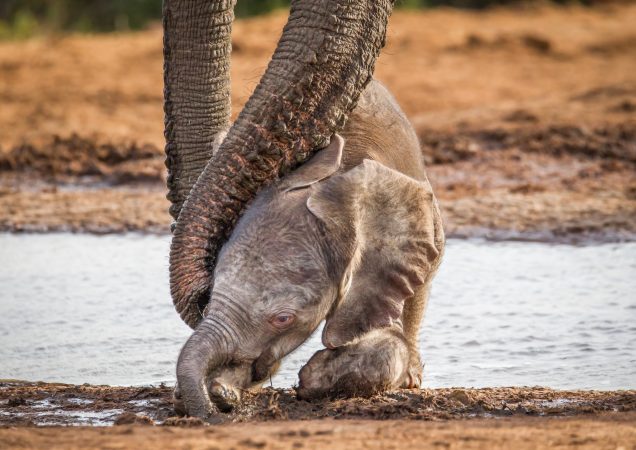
(197, 46)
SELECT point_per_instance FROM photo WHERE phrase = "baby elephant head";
(350, 247)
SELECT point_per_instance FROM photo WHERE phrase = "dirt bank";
(599, 432)
(527, 119)
(485, 418)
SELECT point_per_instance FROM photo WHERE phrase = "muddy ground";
(29, 404)
(482, 418)
(527, 119)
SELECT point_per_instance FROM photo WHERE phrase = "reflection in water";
(89, 309)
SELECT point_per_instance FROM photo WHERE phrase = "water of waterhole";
(97, 309)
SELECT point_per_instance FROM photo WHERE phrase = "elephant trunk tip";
(225, 397)
(200, 393)
(192, 398)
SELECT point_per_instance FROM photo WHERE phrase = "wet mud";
(81, 160)
(50, 404)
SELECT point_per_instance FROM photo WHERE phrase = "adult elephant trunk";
(197, 46)
(323, 60)
(207, 349)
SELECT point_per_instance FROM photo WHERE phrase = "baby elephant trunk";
(205, 351)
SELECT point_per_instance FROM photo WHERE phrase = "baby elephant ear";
(322, 165)
(398, 239)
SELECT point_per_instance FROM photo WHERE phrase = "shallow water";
(91, 309)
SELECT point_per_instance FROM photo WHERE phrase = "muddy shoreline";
(52, 415)
(53, 404)
(565, 184)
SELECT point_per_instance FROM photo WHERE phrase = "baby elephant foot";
(413, 377)
(379, 361)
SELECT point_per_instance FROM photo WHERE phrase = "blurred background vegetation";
(21, 19)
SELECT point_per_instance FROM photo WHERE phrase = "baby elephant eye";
(282, 320)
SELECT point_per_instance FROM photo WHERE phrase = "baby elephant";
(353, 237)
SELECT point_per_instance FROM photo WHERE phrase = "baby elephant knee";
(377, 362)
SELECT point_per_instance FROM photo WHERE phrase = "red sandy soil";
(609, 431)
(526, 118)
